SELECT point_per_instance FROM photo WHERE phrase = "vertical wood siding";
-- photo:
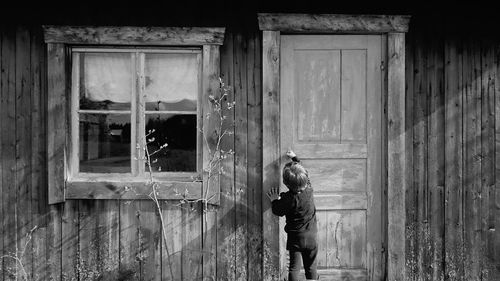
(452, 202)
(121, 240)
(452, 197)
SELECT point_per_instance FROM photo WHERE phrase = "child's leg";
(309, 258)
(294, 268)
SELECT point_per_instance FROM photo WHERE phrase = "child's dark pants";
(302, 246)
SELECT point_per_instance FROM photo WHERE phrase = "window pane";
(106, 81)
(104, 145)
(179, 133)
(171, 82)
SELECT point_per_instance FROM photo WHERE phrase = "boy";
(298, 206)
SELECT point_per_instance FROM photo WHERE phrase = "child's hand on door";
(290, 153)
(273, 194)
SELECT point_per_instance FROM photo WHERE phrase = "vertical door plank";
(271, 151)
(453, 158)
(241, 153)
(323, 239)
(371, 257)
(254, 162)
(353, 107)
(396, 156)
(8, 143)
(71, 260)
(172, 248)
(316, 100)
(129, 240)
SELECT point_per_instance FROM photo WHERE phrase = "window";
(131, 87)
(121, 95)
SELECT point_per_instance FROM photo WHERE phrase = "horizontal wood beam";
(131, 190)
(128, 35)
(333, 23)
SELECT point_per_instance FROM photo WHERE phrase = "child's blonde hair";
(295, 177)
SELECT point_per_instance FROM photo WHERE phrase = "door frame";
(394, 28)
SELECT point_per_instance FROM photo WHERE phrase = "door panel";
(330, 111)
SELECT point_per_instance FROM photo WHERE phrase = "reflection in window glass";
(104, 145)
(171, 82)
(105, 81)
(179, 133)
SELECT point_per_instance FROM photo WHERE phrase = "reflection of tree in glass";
(179, 132)
(86, 103)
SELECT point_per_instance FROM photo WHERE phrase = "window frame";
(137, 115)
(62, 43)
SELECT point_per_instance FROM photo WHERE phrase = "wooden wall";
(453, 225)
(453, 126)
(121, 240)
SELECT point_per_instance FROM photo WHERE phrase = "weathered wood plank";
(420, 155)
(172, 248)
(487, 153)
(130, 190)
(496, 198)
(129, 35)
(150, 241)
(130, 212)
(39, 207)
(240, 76)
(54, 243)
(453, 236)
(254, 161)
(88, 240)
(1, 146)
(56, 127)
(108, 233)
(226, 250)
(396, 156)
(8, 143)
(209, 243)
(271, 152)
(411, 193)
(23, 148)
(435, 154)
(333, 23)
(211, 70)
(192, 242)
(70, 253)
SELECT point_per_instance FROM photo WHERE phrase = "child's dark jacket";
(300, 215)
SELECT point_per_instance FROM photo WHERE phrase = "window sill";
(132, 190)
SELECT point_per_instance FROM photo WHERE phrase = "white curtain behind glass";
(108, 77)
(171, 78)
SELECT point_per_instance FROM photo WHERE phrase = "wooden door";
(331, 114)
